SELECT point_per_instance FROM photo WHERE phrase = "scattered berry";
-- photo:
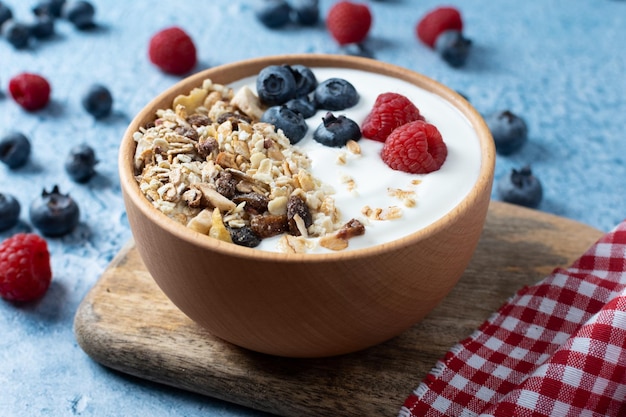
(16, 33)
(25, 271)
(276, 84)
(97, 101)
(80, 13)
(291, 123)
(453, 47)
(520, 187)
(273, 13)
(9, 211)
(349, 22)
(80, 163)
(437, 21)
(53, 213)
(43, 27)
(302, 105)
(306, 12)
(336, 131)
(31, 91)
(509, 131)
(305, 79)
(51, 8)
(5, 13)
(415, 147)
(14, 150)
(335, 94)
(173, 51)
(390, 111)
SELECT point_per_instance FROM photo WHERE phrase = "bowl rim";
(219, 74)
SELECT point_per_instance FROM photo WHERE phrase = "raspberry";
(436, 22)
(390, 111)
(416, 147)
(173, 51)
(25, 272)
(31, 91)
(349, 22)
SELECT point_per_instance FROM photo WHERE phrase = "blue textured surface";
(560, 64)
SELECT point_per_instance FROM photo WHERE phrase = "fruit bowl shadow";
(306, 305)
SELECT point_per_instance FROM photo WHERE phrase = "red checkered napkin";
(557, 348)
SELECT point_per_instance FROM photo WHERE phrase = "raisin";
(268, 225)
(244, 236)
(255, 203)
(206, 146)
(351, 229)
(198, 120)
(226, 184)
(297, 206)
(187, 132)
(234, 119)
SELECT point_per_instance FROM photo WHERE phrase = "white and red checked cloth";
(557, 348)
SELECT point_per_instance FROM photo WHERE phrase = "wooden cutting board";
(125, 322)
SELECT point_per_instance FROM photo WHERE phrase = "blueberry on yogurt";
(336, 131)
(335, 94)
(276, 84)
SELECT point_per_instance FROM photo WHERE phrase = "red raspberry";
(25, 272)
(173, 51)
(390, 110)
(437, 21)
(349, 22)
(416, 147)
(31, 91)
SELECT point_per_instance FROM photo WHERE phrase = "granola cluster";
(207, 162)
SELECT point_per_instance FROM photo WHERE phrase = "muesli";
(209, 163)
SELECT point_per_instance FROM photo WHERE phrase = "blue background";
(560, 64)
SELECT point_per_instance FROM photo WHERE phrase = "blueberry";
(306, 12)
(9, 211)
(80, 163)
(80, 13)
(5, 13)
(273, 13)
(16, 33)
(244, 236)
(291, 123)
(453, 47)
(14, 150)
(336, 131)
(43, 27)
(97, 101)
(357, 49)
(509, 131)
(275, 85)
(305, 79)
(302, 105)
(335, 94)
(520, 187)
(53, 213)
(51, 8)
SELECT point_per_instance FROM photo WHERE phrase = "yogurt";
(364, 180)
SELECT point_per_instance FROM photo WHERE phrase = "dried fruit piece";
(269, 225)
(298, 216)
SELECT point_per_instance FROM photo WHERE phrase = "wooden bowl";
(307, 305)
